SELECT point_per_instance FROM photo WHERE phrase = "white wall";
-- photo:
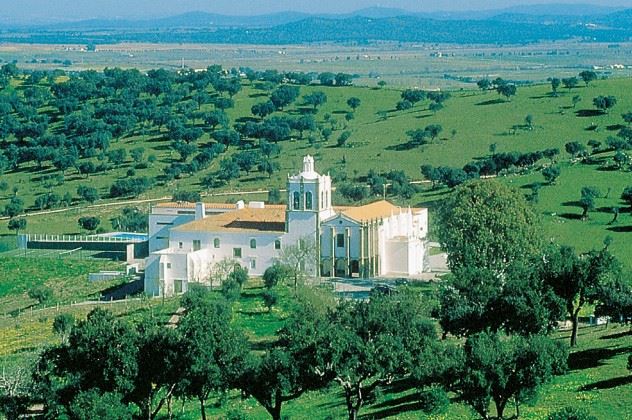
(161, 223)
(264, 254)
(152, 275)
(396, 257)
(340, 225)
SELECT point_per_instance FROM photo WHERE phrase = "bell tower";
(308, 203)
(309, 192)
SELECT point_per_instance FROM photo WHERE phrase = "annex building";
(187, 240)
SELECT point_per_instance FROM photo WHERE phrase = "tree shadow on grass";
(254, 312)
(607, 210)
(399, 385)
(608, 383)
(491, 102)
(592, 358)
(119, 292)
(533, 184)
(250, 296)
(571, 216)
(395, 406)
(620, 229)
(254, 177)
(246, 119)
(337, 401)
(571, 204)
(611, 168)
(615, 127)
(546, 96)
(402, 147)
(306, 110)
(616, 335)
(162, 147)
(589, 113)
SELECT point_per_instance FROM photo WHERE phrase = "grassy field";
(472, 121)
(597, 379)
(26, 326)
(68, 278)
(31, 331)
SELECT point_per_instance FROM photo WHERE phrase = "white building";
(186, 241)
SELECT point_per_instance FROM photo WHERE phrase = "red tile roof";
(244, 220)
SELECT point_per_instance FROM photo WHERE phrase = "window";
(297, 200)
(253, 244)
(180, 244)
(168, 266)
(186, 211)
(197, 245)
(340, 240)
(236, 252)
(277, 244)
(216, 243)
(253, 264)
(164, 223)
(177, 286)
(308, 201)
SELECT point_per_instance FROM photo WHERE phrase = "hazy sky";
(83, 9)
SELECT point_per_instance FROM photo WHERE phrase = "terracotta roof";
(244, 220)
(228, 206)
(371, 211)
(187, 205)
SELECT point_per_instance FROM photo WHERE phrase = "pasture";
(473, 121)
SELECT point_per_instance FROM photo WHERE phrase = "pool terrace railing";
(34, 237)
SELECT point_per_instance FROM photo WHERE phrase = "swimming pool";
(127, 236)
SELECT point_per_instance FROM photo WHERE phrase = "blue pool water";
(128, 236)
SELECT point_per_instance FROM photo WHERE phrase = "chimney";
(256, 205)
(200, 211)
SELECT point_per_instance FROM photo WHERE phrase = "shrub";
(571, 413)
(434, 400)
(42, 294)
(275, 274)
(231, 290)
(270, 298)
(190, 196)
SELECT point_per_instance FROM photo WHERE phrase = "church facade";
(188, 242)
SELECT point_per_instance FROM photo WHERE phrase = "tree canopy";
(487, 225)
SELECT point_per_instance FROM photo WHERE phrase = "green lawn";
(597, 380)
(68, 278)
(471, 121)
(31, 331)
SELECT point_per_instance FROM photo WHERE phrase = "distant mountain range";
(512, 25)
